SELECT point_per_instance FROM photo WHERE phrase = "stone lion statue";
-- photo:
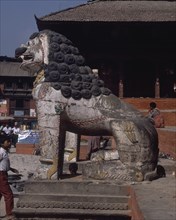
(69, 97)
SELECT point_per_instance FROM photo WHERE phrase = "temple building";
(129, 42)
(132, 46)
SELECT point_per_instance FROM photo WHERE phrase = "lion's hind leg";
(126, 137)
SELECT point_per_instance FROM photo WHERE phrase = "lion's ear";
(34, 35)
(42, 36)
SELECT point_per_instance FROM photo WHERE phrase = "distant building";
(16, 92)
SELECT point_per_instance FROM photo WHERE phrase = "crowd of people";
(11, 132)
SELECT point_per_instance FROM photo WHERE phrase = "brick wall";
(25, 148)
(143, 103)
(166, 106)
(167, 141)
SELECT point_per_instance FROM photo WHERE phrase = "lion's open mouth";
(22, 53)
(28, 57)
(29, 64)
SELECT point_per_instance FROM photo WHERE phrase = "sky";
(17, 20)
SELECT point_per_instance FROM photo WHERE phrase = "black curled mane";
(67, 71)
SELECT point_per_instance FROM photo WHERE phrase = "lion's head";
(62, 63)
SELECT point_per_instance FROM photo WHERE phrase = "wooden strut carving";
(69, 97)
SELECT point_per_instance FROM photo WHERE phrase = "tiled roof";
(12, 69)
(117, 11)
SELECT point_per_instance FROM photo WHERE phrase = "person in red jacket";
(155, 116)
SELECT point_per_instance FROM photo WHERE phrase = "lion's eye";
(31, 42)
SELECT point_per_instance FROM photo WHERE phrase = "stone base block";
(76, 200)
(108, 170)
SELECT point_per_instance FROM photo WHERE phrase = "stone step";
(75, 187)
(66, 199)
(169, 117)
(71, 214)
(72, 198)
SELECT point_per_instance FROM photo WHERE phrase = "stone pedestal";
(72, 199)
(109, 171)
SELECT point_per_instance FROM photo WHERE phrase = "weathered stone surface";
(73, 200)
(109, 170)
(69, 97)
(105, 154)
